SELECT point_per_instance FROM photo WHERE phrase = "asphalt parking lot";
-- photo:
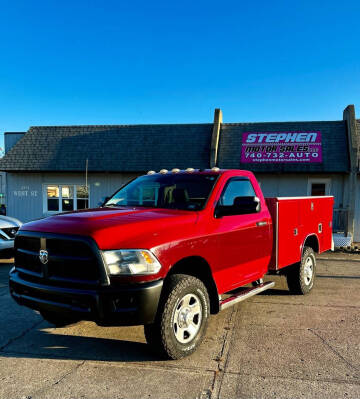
(274, 345)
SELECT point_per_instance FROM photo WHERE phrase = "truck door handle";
(263, 223)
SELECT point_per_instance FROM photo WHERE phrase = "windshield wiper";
(127, 206)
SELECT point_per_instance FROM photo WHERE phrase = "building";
(10, 139)
(51, 169)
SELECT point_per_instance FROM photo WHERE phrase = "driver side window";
(236, 188)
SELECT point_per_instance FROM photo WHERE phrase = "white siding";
(3, 187)
(357, 213)
(24, 196)
(293, 185)
(25, 190)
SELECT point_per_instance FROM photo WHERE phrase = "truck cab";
(166, 251)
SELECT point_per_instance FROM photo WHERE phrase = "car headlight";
(131, 261)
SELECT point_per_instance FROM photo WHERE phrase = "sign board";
(281, 147)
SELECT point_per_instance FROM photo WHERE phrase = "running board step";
(244, 293)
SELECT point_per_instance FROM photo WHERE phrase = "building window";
(53, 198)
(82, 197)
(319, 187)
(65, 197)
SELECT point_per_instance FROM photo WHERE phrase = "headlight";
(131, 261)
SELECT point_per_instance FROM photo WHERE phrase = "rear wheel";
(58, 319)
(301, 277)
(182, 317)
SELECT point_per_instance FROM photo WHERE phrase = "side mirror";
(241, 206)
(247, 204)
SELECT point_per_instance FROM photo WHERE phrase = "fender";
(304, 241)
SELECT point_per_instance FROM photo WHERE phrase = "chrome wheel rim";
(308, 270)
(187, 318)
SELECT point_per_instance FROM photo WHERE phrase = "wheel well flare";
(198, 267)
(313, 242)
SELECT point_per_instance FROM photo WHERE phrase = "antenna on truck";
(86, 179)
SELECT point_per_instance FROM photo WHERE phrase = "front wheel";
(301, 277)
(182, 317)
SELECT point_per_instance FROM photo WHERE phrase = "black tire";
(174, 317)
(300, 280)
(58, 319)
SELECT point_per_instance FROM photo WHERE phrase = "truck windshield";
(171, 191)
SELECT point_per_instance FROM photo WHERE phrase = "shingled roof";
(111, 148)
(335, 153)
(137, 148)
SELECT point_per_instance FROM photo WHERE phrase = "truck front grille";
(70, 259)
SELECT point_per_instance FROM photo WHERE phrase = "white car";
(8, 228)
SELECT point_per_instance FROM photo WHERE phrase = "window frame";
(60, 186)
(236, 178)
(319, 180)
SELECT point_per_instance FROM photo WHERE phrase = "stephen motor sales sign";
(281, 147)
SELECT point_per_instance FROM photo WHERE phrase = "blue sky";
(95, 62)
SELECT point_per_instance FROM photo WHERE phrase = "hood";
(6, 221)
(120, 227)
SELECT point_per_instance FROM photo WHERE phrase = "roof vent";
(190, 170)
(163, 171)
(151, 172)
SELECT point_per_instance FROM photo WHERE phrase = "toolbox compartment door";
(289, 233)
(294, 219)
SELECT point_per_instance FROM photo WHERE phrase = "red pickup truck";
(167, 250)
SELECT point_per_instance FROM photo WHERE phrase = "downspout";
(215, 137)
(349, 117)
